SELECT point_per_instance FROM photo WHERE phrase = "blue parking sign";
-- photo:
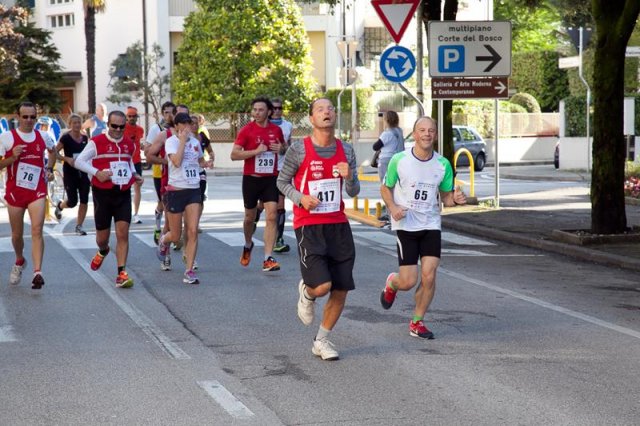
(451, 58)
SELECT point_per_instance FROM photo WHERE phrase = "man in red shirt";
(22, 151)
(136, 134)
(259, 144)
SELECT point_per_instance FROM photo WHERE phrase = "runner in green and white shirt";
(417, 181)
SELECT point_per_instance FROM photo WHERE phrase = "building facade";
(121, 25)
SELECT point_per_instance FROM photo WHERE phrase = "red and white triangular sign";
(396, 15)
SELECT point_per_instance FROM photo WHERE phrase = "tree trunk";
(90, 38)
(615, 23)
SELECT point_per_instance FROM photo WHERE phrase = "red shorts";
(21, 197)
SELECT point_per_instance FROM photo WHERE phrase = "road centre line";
(543, 304)
(139, 318)
(225, 399)
(6, 329)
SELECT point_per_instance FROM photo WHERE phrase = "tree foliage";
(533, 30)
(37, 73)
(235, 50)
(128, 80)
(11, 41)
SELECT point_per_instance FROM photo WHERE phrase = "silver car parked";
(464, 137)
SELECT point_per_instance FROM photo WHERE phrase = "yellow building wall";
(318, 57)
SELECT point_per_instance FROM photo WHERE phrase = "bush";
(537, 73)
(365, 107)
(574, 115)
(527, 101)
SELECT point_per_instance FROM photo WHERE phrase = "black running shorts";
(111, 204)
(177, 201)
(259, 188)
(413, 245)
(327, 253)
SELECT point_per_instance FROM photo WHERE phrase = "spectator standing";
(96, 123)
(390, 142)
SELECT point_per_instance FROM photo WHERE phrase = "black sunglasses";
(116, 127)
(26, 117)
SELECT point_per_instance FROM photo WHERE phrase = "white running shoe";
(305, 306)
(325, 350)
(16, 273)
(136, 219)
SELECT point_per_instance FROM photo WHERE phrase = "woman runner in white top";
(183, 193)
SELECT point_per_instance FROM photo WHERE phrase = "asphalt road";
(522, 337)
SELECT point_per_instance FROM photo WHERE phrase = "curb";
(580, 253)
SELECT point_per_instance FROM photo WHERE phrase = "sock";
(281, 220)
(391, 286)
(266, 256)
(120, 268)
(103, 252)
(36, 272)
(323, 333)
(416, 318)
(158, 219)
(248, 246)
(306, 294)
(20, 261)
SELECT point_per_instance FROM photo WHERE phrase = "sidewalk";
(530, 219)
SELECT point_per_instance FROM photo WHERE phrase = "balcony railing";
(315, 8)
(181, 7)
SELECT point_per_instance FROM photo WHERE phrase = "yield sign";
(395, 15)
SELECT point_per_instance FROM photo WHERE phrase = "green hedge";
(577, 88)
(575, 115)
(537, 73)
(364, 104)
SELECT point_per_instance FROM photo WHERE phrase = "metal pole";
(584, 81)
(419, 55)
(495, 154)
(354, 100)
(145, 65)
(440, 122)
(418, 101)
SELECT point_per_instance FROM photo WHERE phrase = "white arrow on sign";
(406, 67)
(500, 87)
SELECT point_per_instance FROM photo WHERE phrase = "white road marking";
(77, 242)
(146, 238)
(543, 304)
(139, 318)
(377, 237)
(5, 245)
(6, 329)
(233, 239)
(462, 240)
(225, 399)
